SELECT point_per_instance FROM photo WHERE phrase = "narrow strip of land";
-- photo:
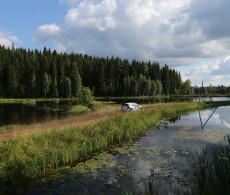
(65, 123)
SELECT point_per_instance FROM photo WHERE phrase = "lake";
(165, 154)
(16, 113)
(19, 113)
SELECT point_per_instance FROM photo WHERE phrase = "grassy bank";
(33, 101)
(28, 156)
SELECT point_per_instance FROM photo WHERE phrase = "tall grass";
(28, 156)
(213, 176)
(33, 101)
(79, 109)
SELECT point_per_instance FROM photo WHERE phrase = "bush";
(86, 95)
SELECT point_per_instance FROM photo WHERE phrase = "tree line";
(39, 74)
(212, 90)
(48, 74)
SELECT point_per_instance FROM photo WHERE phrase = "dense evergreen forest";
(48, 74)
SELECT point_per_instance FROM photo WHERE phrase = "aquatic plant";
(151, 188)
(27, 156)
(213, 176)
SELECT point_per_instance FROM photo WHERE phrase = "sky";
(191, 36)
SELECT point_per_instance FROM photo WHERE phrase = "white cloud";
(60, 48)
(223, 68)
(173, 32)
(129, 29)
(69, 2)
(92, 15)
(7, 39)
(46, 31)
(213, 72)
(142, 11)
(227, 124)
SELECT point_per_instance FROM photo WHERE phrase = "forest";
(48, 74)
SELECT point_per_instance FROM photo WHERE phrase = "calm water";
(11, 114)
(18, 113)
(152, 100)
(216, 99)
(166, 150)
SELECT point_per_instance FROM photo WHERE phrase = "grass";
(79, 109)
(131, 97)
(88, 114)
(217, 104)
(22, 101)
(100, 106)
(213, 176)
(29, 156)
(33, 101)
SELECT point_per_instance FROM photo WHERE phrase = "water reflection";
(43, 111)
(201, 122)
(168, 151)
(150, 100)
(218, 117)
(215, 99)
(17, 113)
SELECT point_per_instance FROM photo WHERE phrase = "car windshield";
(131, 104)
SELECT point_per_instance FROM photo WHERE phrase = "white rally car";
(131, 106)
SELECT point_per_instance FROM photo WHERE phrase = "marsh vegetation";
(27, 157)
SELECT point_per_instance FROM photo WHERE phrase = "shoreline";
(26, 157)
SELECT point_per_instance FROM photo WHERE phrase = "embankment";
(26, 157)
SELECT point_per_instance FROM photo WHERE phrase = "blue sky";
(191, 36)
(22, 18)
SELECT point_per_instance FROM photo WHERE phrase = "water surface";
(18, 113)
(167, 151)
(43, 111)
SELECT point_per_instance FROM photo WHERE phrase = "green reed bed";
(213, 176)
(17, 101)
(29, 156)
(33, 101)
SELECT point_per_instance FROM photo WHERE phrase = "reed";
(33, 101)
(213, 176)
(29, 156)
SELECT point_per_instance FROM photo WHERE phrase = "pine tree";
(75, 80)
(149, 86)
(66, 86)
(49, 74)
(134, 86)
(46, 82)
(154, 88)
(159, 87)
(10, 77)
(166, 80)
(53, 85)
(60, 75)
(33, 86)
(127, 85)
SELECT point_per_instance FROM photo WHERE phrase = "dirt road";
(69, 122)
